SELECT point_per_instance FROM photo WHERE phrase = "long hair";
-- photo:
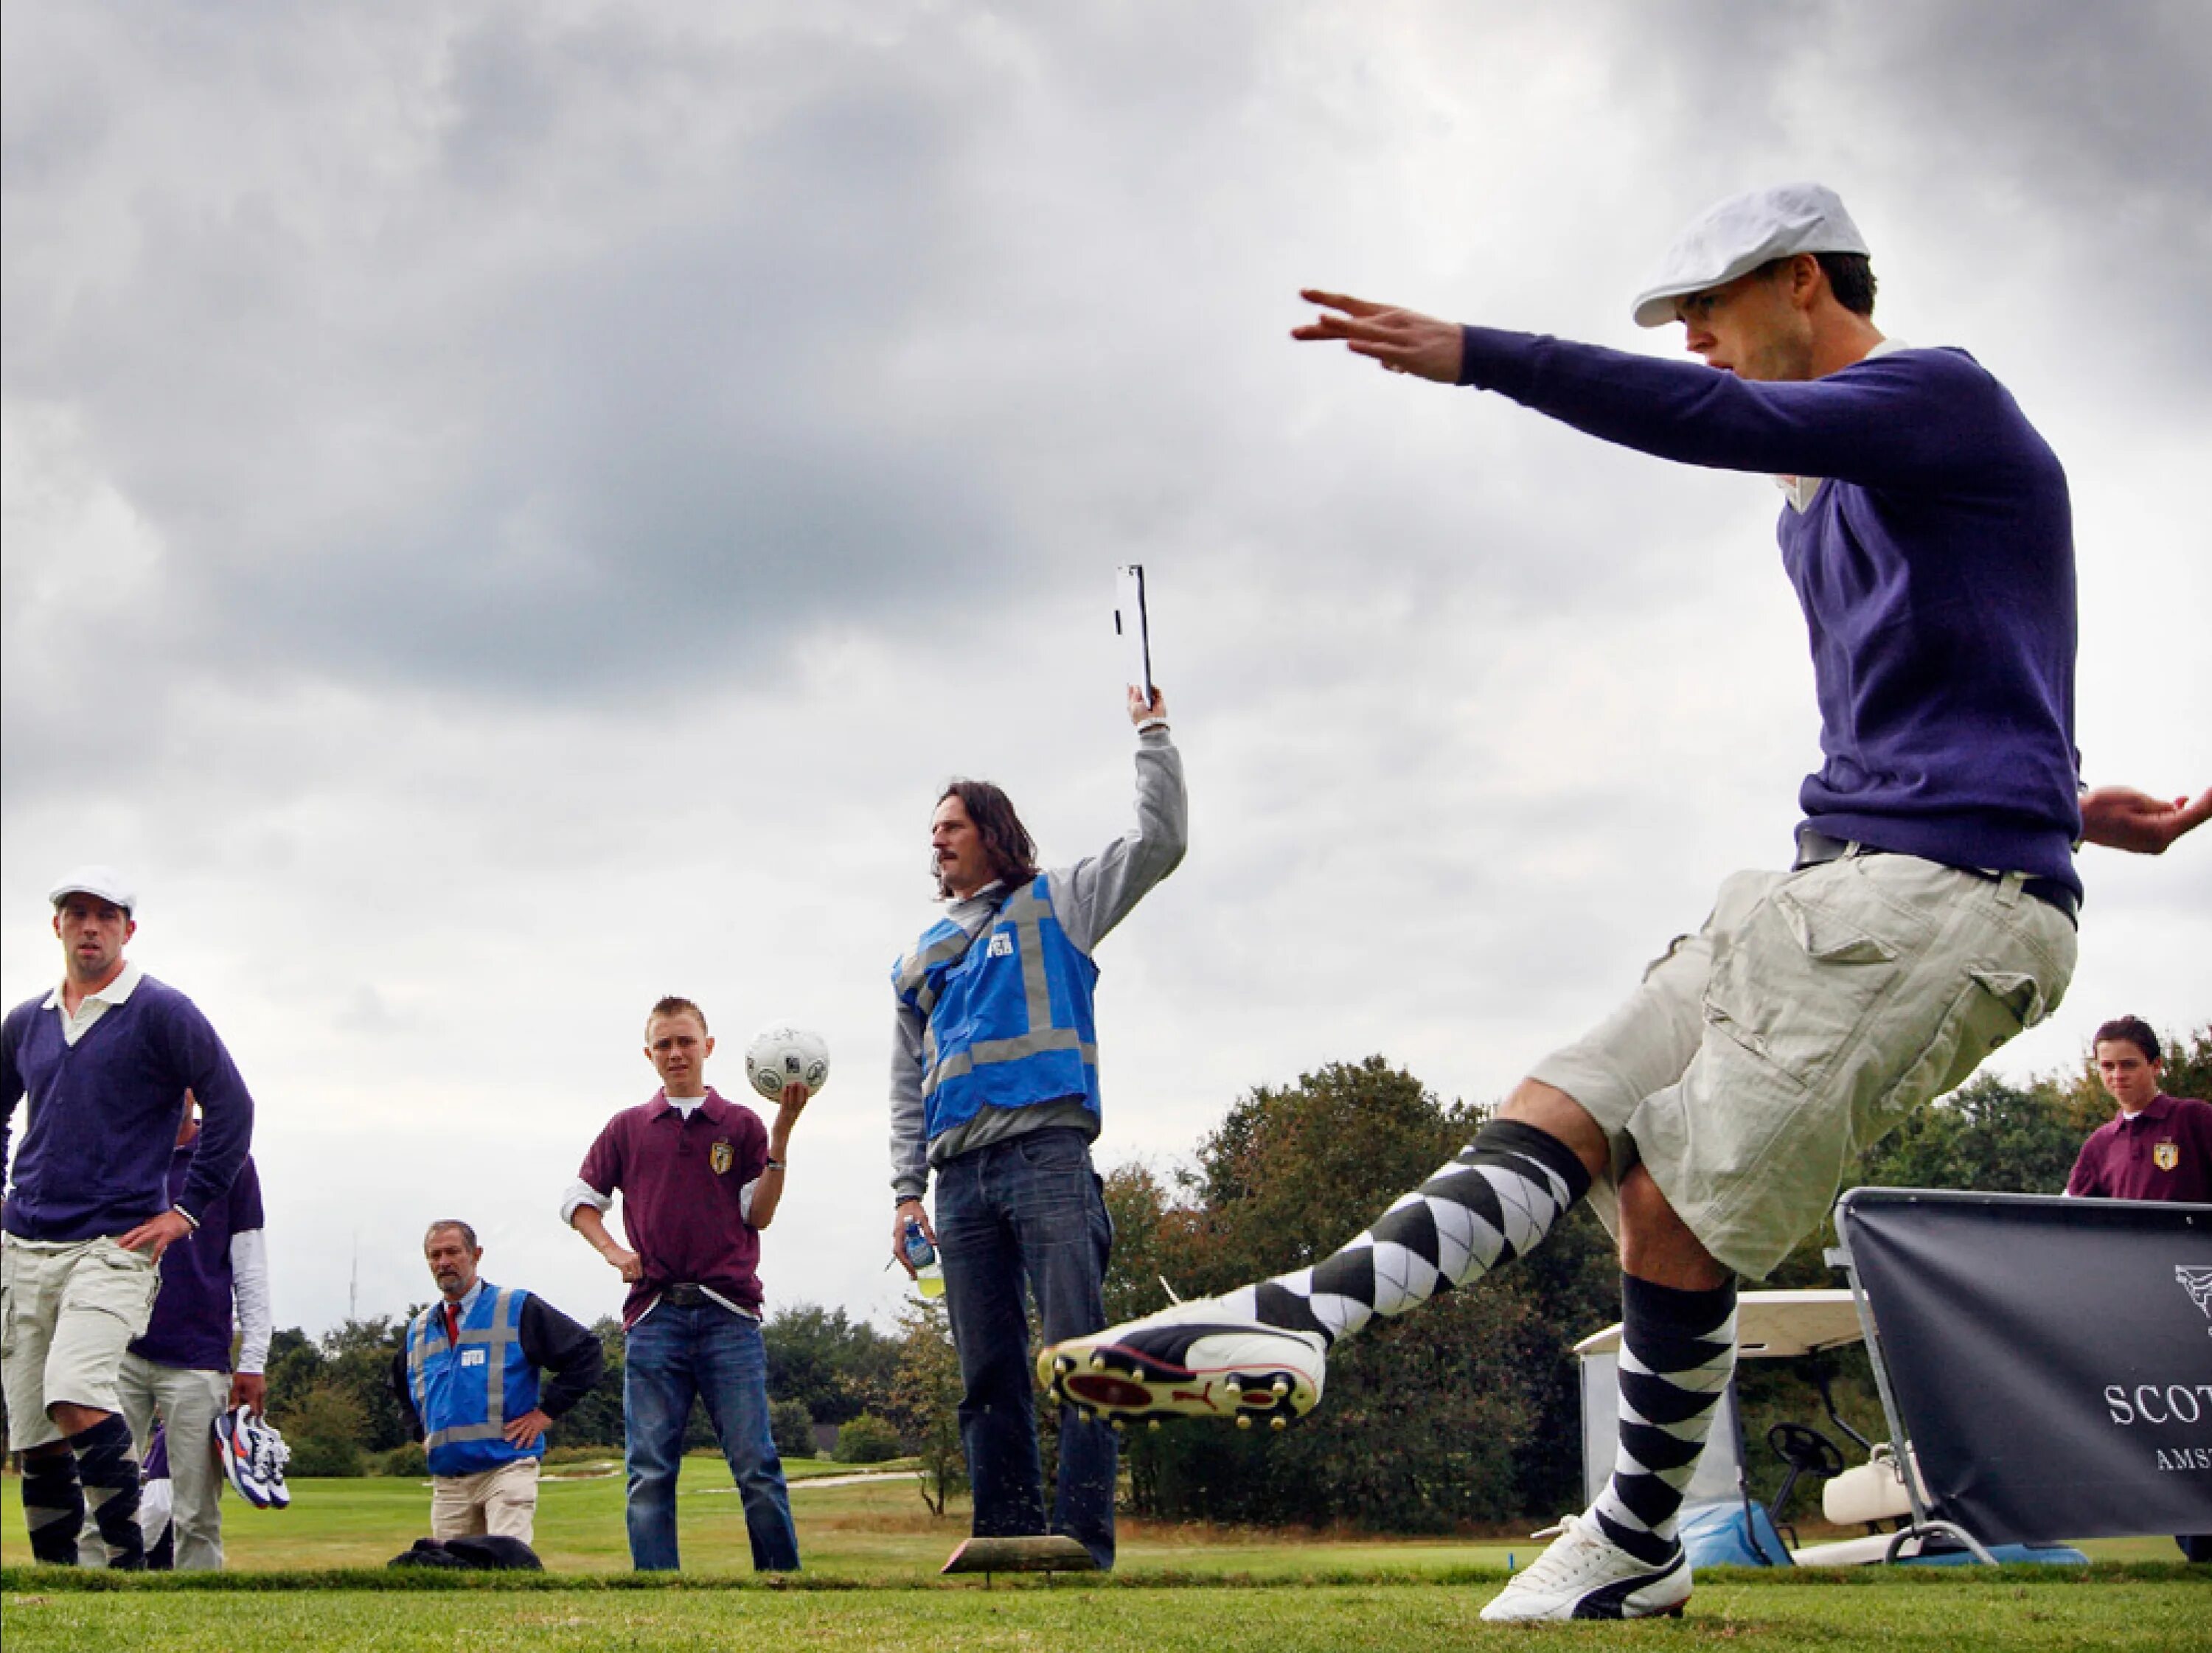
(1007, 842)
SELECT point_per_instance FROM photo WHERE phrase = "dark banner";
(2051, 1358)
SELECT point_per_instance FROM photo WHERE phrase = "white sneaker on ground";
(1189, 1361)
(1585, 1575)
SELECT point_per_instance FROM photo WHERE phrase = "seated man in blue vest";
(995, 1087)
(467, 1375)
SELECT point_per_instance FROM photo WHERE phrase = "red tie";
(454, 1325)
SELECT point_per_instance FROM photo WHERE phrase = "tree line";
(1465, 1412)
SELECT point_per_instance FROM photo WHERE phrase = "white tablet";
(1130, 624)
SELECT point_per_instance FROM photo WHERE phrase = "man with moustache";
(995, 1093)
(468, 1376)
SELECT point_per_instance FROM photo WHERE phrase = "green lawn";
(311, 1578)
(1941, 1612)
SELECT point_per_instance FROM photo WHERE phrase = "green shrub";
(319, 1455)
(866, 1439)
(583, 1453)
(793, 1426)
(407, 1460)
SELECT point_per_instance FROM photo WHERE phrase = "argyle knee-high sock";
(1677, 1353)
(110, 1477)
(1496, 1199)
(53, 1507)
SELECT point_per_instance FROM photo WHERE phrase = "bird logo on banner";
(2197, 1282)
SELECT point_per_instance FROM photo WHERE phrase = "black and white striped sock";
(1496, 1199)
(109, 1475)
(53, 1507)
(1677, 1354)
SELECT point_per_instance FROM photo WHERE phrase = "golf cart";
(2000, 1329)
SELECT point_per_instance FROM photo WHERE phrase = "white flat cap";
(102, 881)
(1742, 233)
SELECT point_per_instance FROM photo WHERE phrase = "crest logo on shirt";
(472, 1356)
(1002, 946)
(2166, 1156)
(722, 1156)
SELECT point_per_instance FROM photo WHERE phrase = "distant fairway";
(311, 1578)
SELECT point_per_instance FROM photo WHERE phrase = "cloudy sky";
(513, 509)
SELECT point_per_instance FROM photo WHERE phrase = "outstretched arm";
(2120, 818)
(765, 1192)
(1097, 893)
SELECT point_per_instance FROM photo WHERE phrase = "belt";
(685, 1294)
(1817, 848)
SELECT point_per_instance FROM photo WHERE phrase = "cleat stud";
(1282, 1387)
(1063, 1363)
(1098, 1363)
(1278, 1422)
(1116, 1425)
(1243, 1420)
(1154, 1424)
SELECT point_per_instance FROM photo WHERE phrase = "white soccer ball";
(783, 1053)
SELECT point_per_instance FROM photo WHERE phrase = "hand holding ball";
(782, 1054)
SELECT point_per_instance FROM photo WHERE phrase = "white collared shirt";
(1800, 490)
(93, 1006)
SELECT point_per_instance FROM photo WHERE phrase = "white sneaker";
(1189, 1361)
(253, 1456)
(1585, 1575)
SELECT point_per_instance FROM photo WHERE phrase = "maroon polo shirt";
(2165, 1152)
(680, 1179)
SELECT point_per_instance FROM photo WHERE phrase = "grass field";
(311, 1578)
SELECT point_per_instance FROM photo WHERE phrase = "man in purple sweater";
(105, 1060)
(1929, 916)
(180, 1371)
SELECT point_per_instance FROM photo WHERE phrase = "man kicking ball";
(1929, 916)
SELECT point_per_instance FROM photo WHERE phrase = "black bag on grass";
(478, 1553)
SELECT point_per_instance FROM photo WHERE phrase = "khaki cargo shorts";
(1816, 1009)
(68, 1311)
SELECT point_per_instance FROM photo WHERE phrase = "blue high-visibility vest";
(1008, 1014)
(466, 1395)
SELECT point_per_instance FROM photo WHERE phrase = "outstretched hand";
(2120, 818)
(1402, 341)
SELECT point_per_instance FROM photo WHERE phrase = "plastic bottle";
(928, 1272)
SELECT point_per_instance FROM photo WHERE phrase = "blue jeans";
(701, 1349)
(1029, 1207)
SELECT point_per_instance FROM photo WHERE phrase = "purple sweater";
(193, 1321)
(1935, 569)
(104, 1112)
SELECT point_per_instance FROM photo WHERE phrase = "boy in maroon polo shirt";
(2156, 1147)
(700, 1178)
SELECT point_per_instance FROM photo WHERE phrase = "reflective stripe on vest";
(923, 975)
(500, 1338)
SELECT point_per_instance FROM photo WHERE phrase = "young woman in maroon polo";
(681, 1180)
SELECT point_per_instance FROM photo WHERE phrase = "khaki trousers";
(501, 1501)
